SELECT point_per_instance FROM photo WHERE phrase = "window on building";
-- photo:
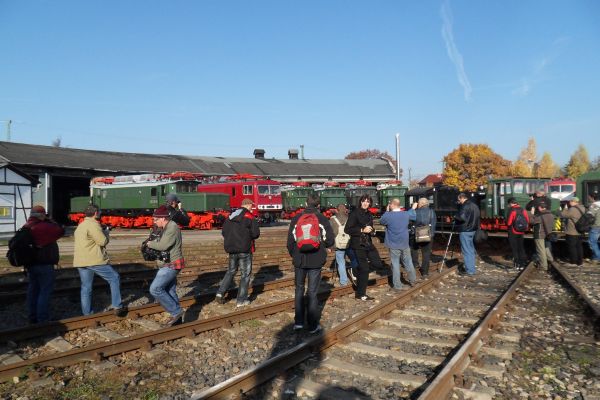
(6, 212)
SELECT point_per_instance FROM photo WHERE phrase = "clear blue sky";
(225, 77)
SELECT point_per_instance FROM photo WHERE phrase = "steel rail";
(249, 379)
(594, 308)
(145, 341)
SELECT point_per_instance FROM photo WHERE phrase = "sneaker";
(316, 330)
(365, 298)
(176, 319)
(298, 327)
(219, 298)
(121, 311)
(243, 303)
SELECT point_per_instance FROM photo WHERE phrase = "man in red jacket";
(45, 233)
(518, 224)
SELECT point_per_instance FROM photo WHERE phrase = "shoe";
(424, 277)
(365, 298)
(353, 279)
(243, 303)
(219, 298)
(298, 327)
(393, 289)
(121, 312)
(316, 330)
(176, 319)
(411, 284)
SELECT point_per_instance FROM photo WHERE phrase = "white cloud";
(452, 50)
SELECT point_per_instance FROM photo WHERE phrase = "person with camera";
(360, 227)
(467, 224)
(164, 285)
(239, 232)
(44, 233)
(425, 219)
(396, 224)
(542, 221)
(90, 258)
(176, 212)
(572, 213)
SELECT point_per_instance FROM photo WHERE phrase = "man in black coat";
(239, 232)
(308, 262)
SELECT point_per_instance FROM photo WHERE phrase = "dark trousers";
(312, 312)
(518, 248)
(364, 255)
(575, 249)
(243, 261)
(425, 249)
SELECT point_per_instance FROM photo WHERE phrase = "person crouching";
(164, 285)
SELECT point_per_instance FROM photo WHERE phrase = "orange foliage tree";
(471, 165)
(372, 153)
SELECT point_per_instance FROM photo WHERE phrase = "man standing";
(573, 237)
(595, 231)
(543, 222)
(90, 258)
(309, 236)
(342, 248)
(164, 285)
(44, 233)
(239, 232)
(518, 223)
(468, 223)
(396, 240)
(176, 211)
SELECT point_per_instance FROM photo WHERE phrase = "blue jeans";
(467, 247)
(106, 272)
(164, 289)
(340, 260)
(244, 262)
(312, 313)
(593, 242)
(41, 284)
(395, 256)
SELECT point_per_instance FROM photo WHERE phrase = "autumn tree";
(372, 153)
(547, 168)
(579, 163)
(471, 165)
(525, 163)
(595, 164)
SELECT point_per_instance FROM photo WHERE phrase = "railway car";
(128, 201)
(391, 190)
(331, 194)
(442, 199)
(293, 198)
(562, 189)
(354, 191)
(264, 193)
(588, 184)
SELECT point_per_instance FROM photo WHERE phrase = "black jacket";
(316, 259)
(180, 217)
(239, 231)
(357, 220)
(467, 217)
(535, 203)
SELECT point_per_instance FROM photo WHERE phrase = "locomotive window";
(518, 187)
(186, 187)
(247, 189)
(554, 188)
(233, 191)
(153, 192)
(567, 188)
(263, 190)
(163, 190)
(508, 188)
(275, 189)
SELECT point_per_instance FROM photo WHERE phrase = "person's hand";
(414, 206)
(180, 205)
(368, 229)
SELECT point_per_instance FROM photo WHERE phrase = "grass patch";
(251, 323)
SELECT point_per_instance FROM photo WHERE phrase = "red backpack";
(307, 233)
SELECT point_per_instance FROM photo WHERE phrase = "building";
(431, 180)
(64, 173)
(16, 200)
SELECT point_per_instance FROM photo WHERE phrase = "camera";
(151, 254)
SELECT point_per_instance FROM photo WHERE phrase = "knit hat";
(171, 197)
(246, 202)
(161, 212)
(38, 212)
(576, 199)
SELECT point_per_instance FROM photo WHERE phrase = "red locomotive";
(264, 192)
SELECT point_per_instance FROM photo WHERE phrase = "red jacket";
(513, 214)
(44, 232)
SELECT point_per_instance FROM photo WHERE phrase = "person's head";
(247, 204)
(365, 201)
(462, 197)
(172, 200)
(595, 196)
(542, 206)
(394, 204)
(342, 209)
(540, 193)
(91, 211)
(512, 201)
(312, 200)
(38, 212)
(161, 216)
(574, 201)
(423, 202)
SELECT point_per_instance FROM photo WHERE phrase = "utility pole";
(397, 156)
(302, 152)
(8, 130)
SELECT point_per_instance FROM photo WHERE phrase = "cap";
(171, 197)
(161, 212)
(574, 198)
(246, 202)
(38, 212)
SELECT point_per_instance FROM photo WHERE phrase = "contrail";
(452, 50)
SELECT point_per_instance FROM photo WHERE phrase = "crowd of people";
(409, 235)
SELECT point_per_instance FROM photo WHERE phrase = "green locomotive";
(587, 184)
(293, 198)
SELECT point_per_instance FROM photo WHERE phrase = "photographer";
(176, 212)
(164, 285)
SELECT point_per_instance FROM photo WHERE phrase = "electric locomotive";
(391, 190)
(587, 184)
(355, 190)
(293, 198)
(331, 194)
(562, 189)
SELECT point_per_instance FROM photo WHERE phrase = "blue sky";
(225, 77)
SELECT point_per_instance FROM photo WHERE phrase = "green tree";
(471, 165)
(579, 163)
(547, 168)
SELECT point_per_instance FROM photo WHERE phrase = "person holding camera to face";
(176, 212)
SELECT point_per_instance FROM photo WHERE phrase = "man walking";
(342, 248)
(468, 223)
(164, 285)
(518, 224)
(396, 240)
(309, 236)
(239, 232)
(44, 233)
(90, 258)
(543, 222)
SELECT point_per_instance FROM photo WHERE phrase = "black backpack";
(520, 223)
(21, 248)
(585, 222)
